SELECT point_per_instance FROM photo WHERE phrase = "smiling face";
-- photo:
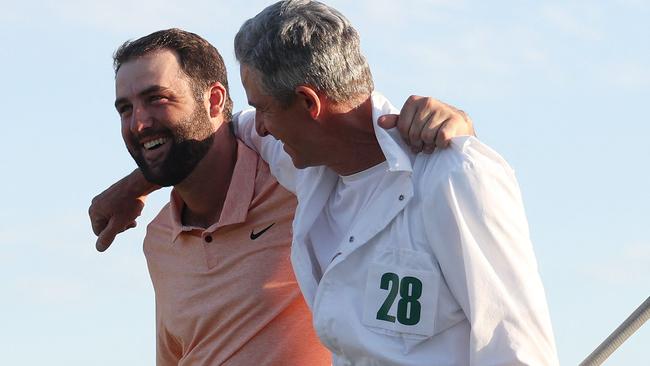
(165, 129)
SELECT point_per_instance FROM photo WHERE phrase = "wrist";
(138, 186)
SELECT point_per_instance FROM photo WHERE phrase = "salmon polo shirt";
(226, 295)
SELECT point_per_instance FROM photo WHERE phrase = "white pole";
(622, 333)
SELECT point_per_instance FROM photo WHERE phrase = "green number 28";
(408, 307)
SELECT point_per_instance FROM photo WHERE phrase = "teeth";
(153, 143)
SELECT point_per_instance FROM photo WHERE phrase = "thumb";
(388, 121)
(106, 237)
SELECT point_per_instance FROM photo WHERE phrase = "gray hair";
(303, 42)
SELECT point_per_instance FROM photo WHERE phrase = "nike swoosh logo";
(257, 235)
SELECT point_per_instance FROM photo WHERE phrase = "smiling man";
(172, 97)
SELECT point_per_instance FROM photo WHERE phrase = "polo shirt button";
(208, 238)
(351, 239)
(401, 197)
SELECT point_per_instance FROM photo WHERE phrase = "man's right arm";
(115, 209)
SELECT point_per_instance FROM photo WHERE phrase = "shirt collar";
(238, 199)
(395, 150)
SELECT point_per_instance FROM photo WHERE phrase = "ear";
(310, 100)
(217, 99)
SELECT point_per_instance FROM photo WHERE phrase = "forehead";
(159, 68)
(251, 80)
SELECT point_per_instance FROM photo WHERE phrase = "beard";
(191, 140)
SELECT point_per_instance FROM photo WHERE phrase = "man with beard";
(218, 252)
(172, 97)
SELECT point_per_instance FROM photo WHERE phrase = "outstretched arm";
(116, 208)
(426, 123)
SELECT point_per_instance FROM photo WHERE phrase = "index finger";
(406, 115)
(106, 237)
(98, 224)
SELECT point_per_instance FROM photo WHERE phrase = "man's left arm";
(476, 224)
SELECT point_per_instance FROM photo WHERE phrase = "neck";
(354, 136)
(204, 190)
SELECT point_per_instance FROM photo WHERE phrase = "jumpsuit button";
(208, 239)
(401, 197)
(351, 239)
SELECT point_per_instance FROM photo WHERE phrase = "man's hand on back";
(115, 210)
(426, 123)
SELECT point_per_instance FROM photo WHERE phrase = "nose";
(140, 120)
(259, 125)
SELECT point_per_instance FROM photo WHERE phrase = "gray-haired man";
(404, 259)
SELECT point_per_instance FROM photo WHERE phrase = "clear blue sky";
(559, 88)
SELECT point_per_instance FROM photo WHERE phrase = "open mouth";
(155, 144)
(155, 148)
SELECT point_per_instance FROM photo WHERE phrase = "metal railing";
(620, 335)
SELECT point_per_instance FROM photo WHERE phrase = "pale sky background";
(559, 88)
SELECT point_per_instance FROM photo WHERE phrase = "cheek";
(277, 122)
(270, 124)
(124, 130)
(259, 119)
(125, 123)
(127, 136)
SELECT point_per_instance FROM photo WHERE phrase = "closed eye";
(123, 109)
(157, 98)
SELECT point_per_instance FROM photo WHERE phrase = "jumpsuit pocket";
(401, 295)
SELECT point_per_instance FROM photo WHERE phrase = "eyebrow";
(149, 90)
